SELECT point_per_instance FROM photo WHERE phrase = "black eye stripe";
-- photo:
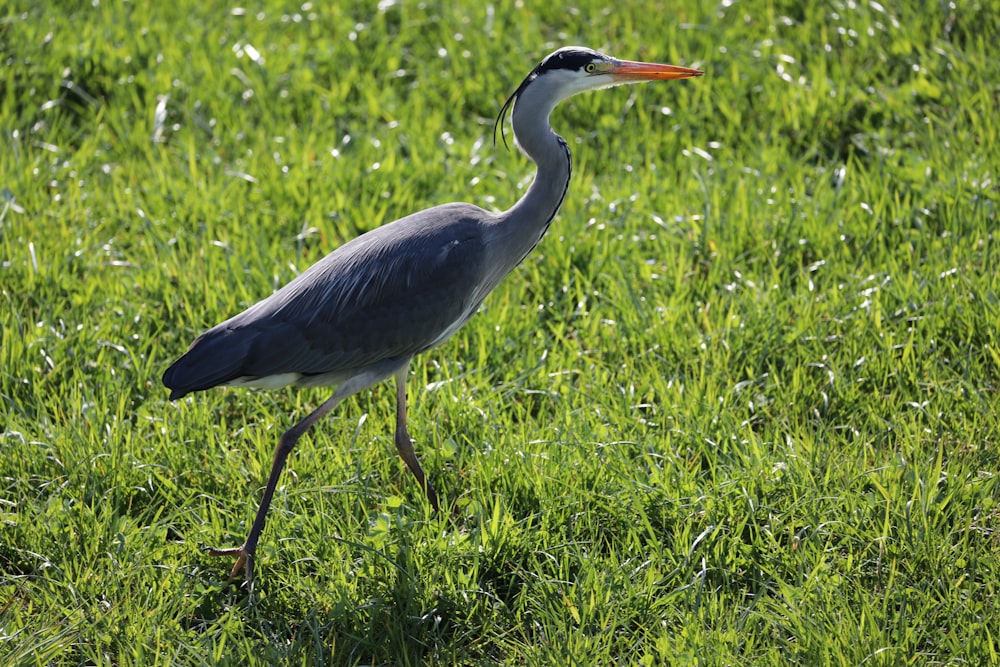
(572, 59)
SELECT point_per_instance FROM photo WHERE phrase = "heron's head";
(577, 69)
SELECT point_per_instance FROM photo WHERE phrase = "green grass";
(739, 407)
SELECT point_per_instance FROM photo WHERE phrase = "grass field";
(738, 408)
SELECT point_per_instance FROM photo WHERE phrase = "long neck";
(526, 222)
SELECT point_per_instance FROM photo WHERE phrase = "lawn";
(739, 407)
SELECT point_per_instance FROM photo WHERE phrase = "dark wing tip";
(215, 358)
(177, 393)
(172, 380)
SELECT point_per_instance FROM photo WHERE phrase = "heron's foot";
(244, 560)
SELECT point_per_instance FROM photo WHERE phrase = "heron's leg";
(403, 443)
(286, 443)
(376, 373)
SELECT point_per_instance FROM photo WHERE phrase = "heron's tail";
(214, 358)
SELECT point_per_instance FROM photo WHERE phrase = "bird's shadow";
(394, 614)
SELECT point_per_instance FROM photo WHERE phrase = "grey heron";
(360, 314)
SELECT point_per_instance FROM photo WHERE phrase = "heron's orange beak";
(627, 70)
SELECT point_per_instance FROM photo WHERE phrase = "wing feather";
(390, 293)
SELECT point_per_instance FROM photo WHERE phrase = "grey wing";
(391, 293)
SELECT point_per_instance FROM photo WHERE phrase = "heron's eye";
(590, 68)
